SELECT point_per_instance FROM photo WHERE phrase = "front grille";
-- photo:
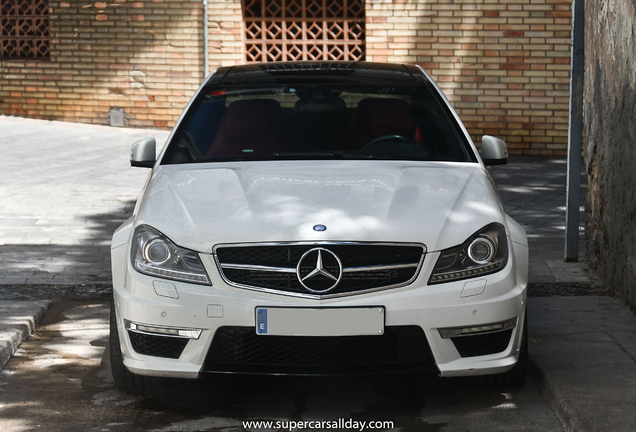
(484, 344)
(157, 346)
(241, 349)
(363, 266)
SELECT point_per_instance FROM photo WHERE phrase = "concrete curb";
(17, 322)
(552, 396)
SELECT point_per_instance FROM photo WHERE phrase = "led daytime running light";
(462, 274)
(475, 330)
(171, 274)
(163, 331)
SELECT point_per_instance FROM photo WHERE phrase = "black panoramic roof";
(281, 73)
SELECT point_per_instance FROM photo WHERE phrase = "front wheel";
(124, 379)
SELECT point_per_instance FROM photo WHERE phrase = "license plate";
(276, 321)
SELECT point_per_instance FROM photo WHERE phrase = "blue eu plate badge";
(261, 321)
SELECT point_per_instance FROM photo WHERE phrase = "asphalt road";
(60, 381)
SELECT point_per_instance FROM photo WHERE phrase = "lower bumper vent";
(484, 344)
(399, 349)
(157, 346)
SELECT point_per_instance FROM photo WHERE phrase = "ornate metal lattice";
(286, 30)
(24, 29)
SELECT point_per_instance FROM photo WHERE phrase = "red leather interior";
(248, 125)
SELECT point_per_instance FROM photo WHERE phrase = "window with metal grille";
(24, 29)
(286, 30)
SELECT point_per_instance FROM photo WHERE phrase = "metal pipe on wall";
(575, 132)
(206, 54)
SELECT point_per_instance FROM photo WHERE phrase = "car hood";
(439, 204)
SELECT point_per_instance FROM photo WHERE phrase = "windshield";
(267, 121)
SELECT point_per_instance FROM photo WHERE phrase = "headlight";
(154, 254)
(483, 253)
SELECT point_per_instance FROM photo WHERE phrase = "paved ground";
(533, 190)
(60, 381)
(583, 352)
(62, 200)
(56, 219)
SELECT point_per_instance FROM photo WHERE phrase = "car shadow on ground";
(64, 271)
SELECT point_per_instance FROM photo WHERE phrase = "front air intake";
(157, 346)
(399, 349)
(483, 344)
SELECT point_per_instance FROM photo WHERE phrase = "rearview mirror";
(143, 153)
(493, 150)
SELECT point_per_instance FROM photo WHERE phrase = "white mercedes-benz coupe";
(318, 218)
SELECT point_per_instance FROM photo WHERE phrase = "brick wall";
(504, 64)
(142, 56)
(225, 27)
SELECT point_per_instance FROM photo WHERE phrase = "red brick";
(43, 77)
(514, 66)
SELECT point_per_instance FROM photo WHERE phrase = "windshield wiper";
(339, 154)
(309, 154)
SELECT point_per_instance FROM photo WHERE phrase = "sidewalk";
(533, 191)
(65, 187)
(583, 357)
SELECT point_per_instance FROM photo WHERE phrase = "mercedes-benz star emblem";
(319, 270)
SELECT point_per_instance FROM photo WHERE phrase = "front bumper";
(208, 308)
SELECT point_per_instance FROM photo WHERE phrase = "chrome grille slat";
(258, 268)
(379, 267)
(293, 269)
(365, 267)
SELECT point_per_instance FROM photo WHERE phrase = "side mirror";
(143, 153)
(493, 150)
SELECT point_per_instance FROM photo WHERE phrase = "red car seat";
(249, 129)
(375, 117)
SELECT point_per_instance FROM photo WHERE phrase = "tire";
(125, 380)
(516, 376)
